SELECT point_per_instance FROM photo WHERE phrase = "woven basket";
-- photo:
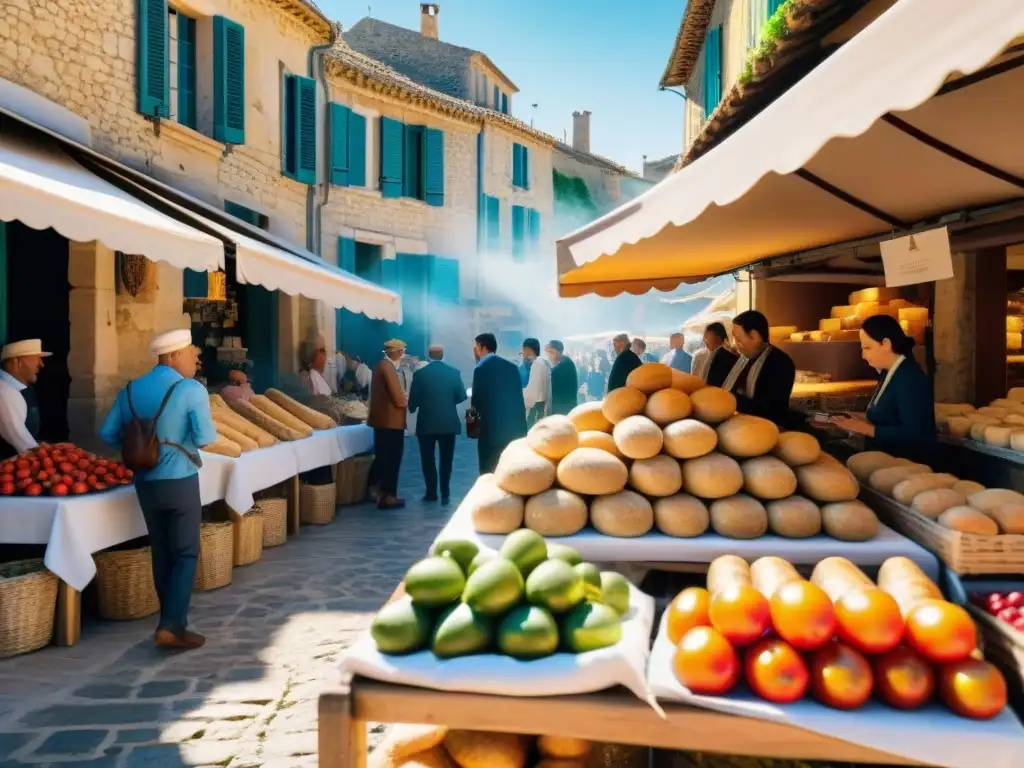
(316, 503)
(28, 602)
(247, 536)
(275, 521)
(216, 559)
(124, 584)
(353, 475)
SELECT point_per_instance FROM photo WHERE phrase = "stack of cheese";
(960, 505)
(999, 424)
(261, 422)
(845, 321)
(1014, 335)
(667, 452)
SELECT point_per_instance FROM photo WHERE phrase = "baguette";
(907, 583)
(315, 419)
(216, 401)
(275, 411)
(244, 442)
(224, 447)
(231, 419)
(727, 571)
(837, 576)
(768, 574)
(263, 421)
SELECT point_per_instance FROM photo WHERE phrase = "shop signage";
(923, 257)
(216, 286)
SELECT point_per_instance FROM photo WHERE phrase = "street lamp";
(680, 94)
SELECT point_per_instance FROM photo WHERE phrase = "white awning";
(42, 187)
(919, 115)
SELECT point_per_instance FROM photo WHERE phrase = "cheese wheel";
(638, 437)
(967, 487)
(992, 498)
(712, 405)
(493, 510)
(804, 336)
(1014, 323)
(622, 403)
(797, 448)
(523, 471)
(843, 311)
(936, 501)
(1009, 518)
(864, 463)
(667, 406)
(874, 294)
(905, 490)
(852, 323)
(849, 521)
(781, 332)
(555, 512)
(600, 440)
(959, 426)
(689, 439)
(553, 437)
(739, 517)
(589, 417)
(714, 476)
(656, 476)
(650, 377)
(795, 517)
(1014, 341)
(592, 472)
(682, 516)
(998, 437)
(969, 520)
(830, 324)
(827, 482)
(743, 436)
(900, 303)
(686, 382)
(820, 335)
(884, 480)
(767, 477)
(625, 514)
(914, 314)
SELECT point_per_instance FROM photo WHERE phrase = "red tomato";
(972, 688)
(904, 678)
(23, 472)
(802, 614)
(22, 464)
(940, 630)
(840, 676)
(84, 464)
(99, 470)
(66, 466)
(6, 478)
(775, 671)
(688, 610)
(34, 489)
(129, 474)
(59, 490)
(869, 620)
(740, 613)
(7, 489)
(705, 662)
(80, 487)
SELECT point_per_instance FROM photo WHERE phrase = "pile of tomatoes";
(841, 644)
(60, 470)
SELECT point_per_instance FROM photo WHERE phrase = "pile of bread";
(1014, 328)
(845, 321)
(670, 453)
(999, 424)
(960, 505)
(260, 422)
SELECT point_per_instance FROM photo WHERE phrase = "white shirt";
(701, 359)
(885, 382)
(538, 388)
(363, 375)
(318, 382)
(13, 412)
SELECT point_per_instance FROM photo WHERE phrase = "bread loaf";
(967, 487)
(493, 510)
(998, 437)
(589, 417)
(689, 438)
(1009, 518)
(1016, 439)
(553, 437)
(969, 520)
(315, 419)
(223, 447)
(767, 477)
(601, 440)
(744, 436)
(714, 476)
(265, 421)
(959, 426)
(243, 442)
(638, 437)
(712, 405)
(686, 382)
(555, 512)
(738, 517)
(656, 476)
(592, 472)
(524, 472)
(224, 415)
(275, 411)
(650, 377)
(864, 463)
(905, 490)
(667, 406)
(794, 517)
(849, 521)
(992, 498)
(827, 482)
(682, 516)
(620, 404)
(886, 479)
(934, 502)
(625, 514)
(797, 448)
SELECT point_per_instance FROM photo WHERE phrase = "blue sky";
(603, 55)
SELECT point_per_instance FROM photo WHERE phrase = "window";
(520, 166)
(411, 161)
(348, 147)
(504, 103)
(525, 231)
(712, 70)
(228, 81)
(492, 217)
(298, 121)
(182, 59)
(248, 215)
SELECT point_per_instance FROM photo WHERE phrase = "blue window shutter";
(288, 127)
(339, 116)
(534, 228)
(497, 96)
(228, 81)
(194, 285)
(444, 279)
(153, 61)
(305, 121)
(391, 150)
(412, 181)
(773, 6)
(356, 150)
(516, 148)
(712, 70)
(504, 103)
(493, 223)
(433, 166)
(247, 215)
(524, 171)
(518, 232)
(347, 254)
(186, 71)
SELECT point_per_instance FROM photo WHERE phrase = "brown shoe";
(390, 502)
(183, 642)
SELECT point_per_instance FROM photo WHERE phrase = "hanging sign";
(216, 286)
(923, 257)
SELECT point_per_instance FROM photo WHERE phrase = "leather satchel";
(140, 449)
(472, 424)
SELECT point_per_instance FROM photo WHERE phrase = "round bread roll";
(564, 747)
(967, 487)
(712, 405)
(936, 501)
(743, 436)
(592, 472)
(1009, 518)
(767, 477)
(969, 520)
(997, 436)
(667, 406)
(739, 517)
(797, 448)
(625, 514)
(686, 382)
(522, 471)
(905, 490)
(556, 512)
(683, 516)
(589, 417)
(864, 463)
(884, 480)
(714, 476)
(689, 438)
(600, 440)
(958, 426)
(992, 498)
(492, 510)
(553, 437)
(794, 518)
(826, 482)
(638, 437)
(656, 476)
(849, 521)
(650, 377)
(620, 404)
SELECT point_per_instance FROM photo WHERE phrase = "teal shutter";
(412, 178)
(493, 223)
(497, 96)
(186, 71)
(524, 170)
(3, 282)
(433, 166)
(153, 61)
(517, 150)
(194, 285)
(444, 280)
(773, 6)
(228, 81)
(412, 284)
(533, 225)
(518, 232)
(389, 274)
(247, 215)
(339, 116)
(504, 103)
(345, 322)
(391, 145)
(356, 150)
(712, 70)
(299, 154)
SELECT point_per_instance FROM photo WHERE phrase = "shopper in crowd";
(437, 391)
(238, 388)
(312, 359)
(388, 411)
(497, 400)
(595, 380)
(20, 363)
(178, 407)
(900, 417)
(565, 384)
(715, 343)
(537, 395)
(626, 360)
(676, 357)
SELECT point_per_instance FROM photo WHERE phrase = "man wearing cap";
(388, 410)
(20, 363)
(565, 385)
(437, 390)
(626, 361)
(169, 492)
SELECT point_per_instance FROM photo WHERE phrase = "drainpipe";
(318, 194)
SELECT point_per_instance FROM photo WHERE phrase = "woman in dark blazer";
(900, 418)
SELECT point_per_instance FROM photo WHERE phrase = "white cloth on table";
(13, 413)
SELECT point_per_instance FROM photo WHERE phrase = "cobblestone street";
(248, 698)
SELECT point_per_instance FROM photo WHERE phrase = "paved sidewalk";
(248, 698)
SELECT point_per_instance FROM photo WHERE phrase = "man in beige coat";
(388, 410)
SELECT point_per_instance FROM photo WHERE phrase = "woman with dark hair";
(900, 418)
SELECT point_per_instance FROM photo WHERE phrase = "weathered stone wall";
(498, 182)
(605, 185)
(953, 333)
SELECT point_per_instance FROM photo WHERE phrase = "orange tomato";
(802, 614)
(688, 610)
(972, 688)
(940, 630)
(775, 671)
(705, 662)
(840, 676)
(740, 613)
(869, 620)
(903, 678)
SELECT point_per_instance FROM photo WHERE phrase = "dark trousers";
(389, 445)
(488, 452)
(447, 445)
(535, 414)
(173, 516)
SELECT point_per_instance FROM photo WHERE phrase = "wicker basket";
(353, 475)
(124, 584)
(216, 559)
(247, 536)
(28, 602)
(316, 504)
(275, 521)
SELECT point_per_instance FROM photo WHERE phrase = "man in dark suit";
(565, 383)
(626, 361)
(498, 401)
(436, 391)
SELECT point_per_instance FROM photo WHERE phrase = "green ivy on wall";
(773, 30)
(572, 191)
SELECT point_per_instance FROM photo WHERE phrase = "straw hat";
(25, 348)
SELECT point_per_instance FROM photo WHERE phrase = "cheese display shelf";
(988, 464)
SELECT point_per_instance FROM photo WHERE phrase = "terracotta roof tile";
(688, 43)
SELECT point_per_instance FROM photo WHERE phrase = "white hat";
(25, 348)
(171, 341)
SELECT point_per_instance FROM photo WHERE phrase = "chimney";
(428, 19)
(581, 131)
